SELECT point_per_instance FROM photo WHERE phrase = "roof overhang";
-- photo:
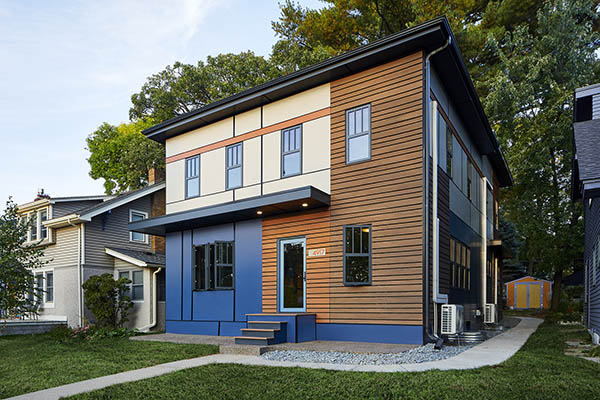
(63, 221)
(591, 189)
(129, 259)
(268, 205)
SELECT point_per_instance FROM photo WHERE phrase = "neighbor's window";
(460, 265)
(291, 151)
(233, 166)
(357, 255)
(34, 226)
(49, 287)
(43, 229)
(135, 216)
(214, 266)
(358, 134)
(135, 289)
(39, 287)
(192, 177)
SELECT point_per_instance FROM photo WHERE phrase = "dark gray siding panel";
(592, 230)
(111, 230)
(69, 207)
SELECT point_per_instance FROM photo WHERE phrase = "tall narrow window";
(357, 255)
(161, 286)
(43, 229)
(34, 226)
(137, 236)
(233, 166)
(49, 287)
(39, 288)
(291, 151)
(449, 151)
(358, 134)
(469, 179)
(192, 177)
(460, 265)
(224, 265)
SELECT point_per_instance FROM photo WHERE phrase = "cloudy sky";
(68, 66)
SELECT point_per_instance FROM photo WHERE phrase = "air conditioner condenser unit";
(452, 319)
(490, 316)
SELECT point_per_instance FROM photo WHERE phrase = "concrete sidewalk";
(491, 352)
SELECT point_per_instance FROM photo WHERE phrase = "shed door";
(521, 295)
(535, 295)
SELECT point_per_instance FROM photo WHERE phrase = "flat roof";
(425, 37)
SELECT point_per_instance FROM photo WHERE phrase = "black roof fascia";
(270, 204)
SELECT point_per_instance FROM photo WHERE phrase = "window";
(233, 166)
(49, 287)
(469, 179)
(44, 287)
(449, 151)
(161, 294)
(34, 226)
(135, 216)
(358, 134)
(135, 289)
(39, 288)
(357, 255)
(460, 265)
(192, 177)
(291, 151)
(43, 229)
(214, 266)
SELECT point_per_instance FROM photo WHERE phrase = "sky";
(68, 66)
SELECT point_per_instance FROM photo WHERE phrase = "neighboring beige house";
(88, 235)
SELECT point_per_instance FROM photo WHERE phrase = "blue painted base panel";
(214, 328)
(300, 327)
(398, 334)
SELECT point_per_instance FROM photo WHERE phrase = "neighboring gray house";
(586, 189)
(88, 235)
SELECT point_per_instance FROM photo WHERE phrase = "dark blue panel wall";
(187, 276)
(463, 232)
(248, 268)
(173, 276)
(213, 305)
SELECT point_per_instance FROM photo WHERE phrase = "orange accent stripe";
(252, 134)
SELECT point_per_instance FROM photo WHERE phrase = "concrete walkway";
(491, 352)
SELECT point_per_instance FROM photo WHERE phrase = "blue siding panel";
(193, 327)
(248, 268)
(213, 305)
(400, 334)
(213, 233)
(173, 276)
(463, 232)
(290, 319)
(231, 328)
(306, 329)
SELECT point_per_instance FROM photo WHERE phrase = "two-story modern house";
(586, 189)
(88, 235)
(347, 201)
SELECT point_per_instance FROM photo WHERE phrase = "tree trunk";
(556, 287)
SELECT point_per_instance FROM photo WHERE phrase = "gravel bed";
(417, 355)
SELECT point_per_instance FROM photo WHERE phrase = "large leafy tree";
(530, 106)
(182, 88)
(17, 261)
(122, 156)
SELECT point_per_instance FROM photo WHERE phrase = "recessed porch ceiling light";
(259, 212)
(304, 204)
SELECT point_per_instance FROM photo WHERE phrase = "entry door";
(292, 275)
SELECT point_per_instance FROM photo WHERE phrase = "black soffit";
(241, 210)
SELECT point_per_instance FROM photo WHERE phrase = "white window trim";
(38, 212)
(130, 285)
(145, 214)
(44, 304)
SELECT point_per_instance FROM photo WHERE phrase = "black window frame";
(285, 153)
(367, 133)
(189, 178)
(460, 267)
(369, 254)
(211, 267)
(240, 152)
(449, 150)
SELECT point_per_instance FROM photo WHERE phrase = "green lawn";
(538, 371)
(33, 362)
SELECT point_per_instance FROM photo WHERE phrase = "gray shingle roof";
(116, 199)
(587, 145)
(145, 256)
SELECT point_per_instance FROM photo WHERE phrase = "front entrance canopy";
(255, 207)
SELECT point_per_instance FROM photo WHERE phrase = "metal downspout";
(154, 317)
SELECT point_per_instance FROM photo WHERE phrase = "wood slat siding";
(385, 192)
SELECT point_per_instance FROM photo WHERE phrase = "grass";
(538, 371)
(34, 362)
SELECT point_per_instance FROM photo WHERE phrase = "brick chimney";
(158, 207)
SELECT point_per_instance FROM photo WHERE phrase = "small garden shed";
(528, 292)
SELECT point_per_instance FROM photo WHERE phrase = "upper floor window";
(358, 134)
(233, 166)
(291, 151)
(135, 289)
(135, 216)
(43, 229)
(449, 151)
(36, 229)
(469, 179)
(33, 233)
(192, 176)
(357, 255)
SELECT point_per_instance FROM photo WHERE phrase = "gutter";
(154, 317)
(79, 272)
(429, 335)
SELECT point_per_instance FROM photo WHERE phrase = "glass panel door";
(292, 271)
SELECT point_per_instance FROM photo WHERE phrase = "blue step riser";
(269, 325)
(264, 342)
(268, 335)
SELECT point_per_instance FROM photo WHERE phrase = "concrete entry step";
(254, 341)
(248, 350)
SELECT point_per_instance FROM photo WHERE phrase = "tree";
(106, 298)
(17, 261)
(530, 106)
(182, 88)
(122, 156)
